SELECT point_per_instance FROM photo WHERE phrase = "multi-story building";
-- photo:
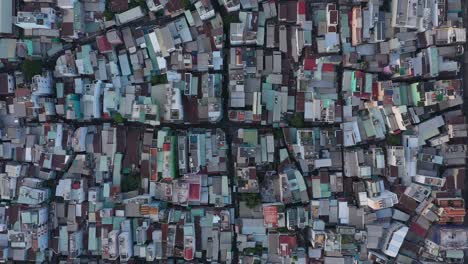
(44, 19)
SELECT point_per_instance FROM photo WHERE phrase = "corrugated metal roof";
(6, 16)
(7, 48)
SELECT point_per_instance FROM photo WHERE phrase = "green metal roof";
(59, 87)
(308, 37)
(116, 221)
(415, 94)
(344, 24)
(353, 82)
(202, 149)
(92, 239)
(29, 45)
(368, 88)
(434, 60)
(369, 128)
(251, 136)
(198, 212)
(456, 254)
(151, 53)
(116, 177)
(84, 56)
(316, 192)
(269, 99)
(283, 154)
(404, 94)
(77, 16)
(319, 16)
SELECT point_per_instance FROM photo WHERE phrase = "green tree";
(159, 13)
(135, 3)
(227, 20)
(50, 184)
(364, 65)
(108, 15)
(130, 182)
(347, 239)
(118, 118)
(158, 79)
(251, 199)
(186, 4)
(31, 68)
(297, 120)
(257, 250)
(278, 133)
(393, 140)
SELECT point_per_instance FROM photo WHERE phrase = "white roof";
(320, 163)
(395, 243)
(130, 15)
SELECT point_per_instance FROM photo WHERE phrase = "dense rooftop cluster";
(233, 131)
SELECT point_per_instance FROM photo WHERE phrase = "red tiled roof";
(118, 5)
(257, 117)
(166, 147)
(310, 64)
(252, 174)
(188, 253)
(58, 161)
(76, 186)
(191, 109)
(301, 7)
(103, 44)
(287, 243)
(270, 214)
(144, 168)
(21, 92)
(375, 90)
(300, 102)
(194, 191)
(453, 212)
(362, 94)
(132, 150)
(359, 74)
(174, 6)
(328, 67)
(460, 177)
(67, 29)
(333, 17)
(324, 177)
(241, 116)
(154, 164)
(233, 115)
(4, 83)
(418, 230)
